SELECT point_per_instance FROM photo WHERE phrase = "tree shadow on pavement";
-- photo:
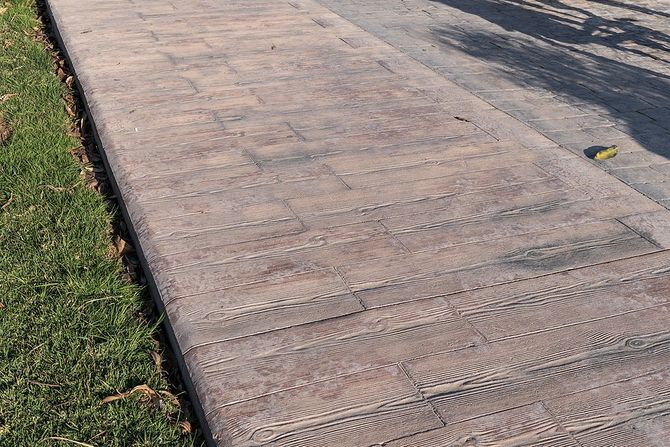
(615, 66)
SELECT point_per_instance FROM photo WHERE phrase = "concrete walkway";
(583, 73)
(356, 245)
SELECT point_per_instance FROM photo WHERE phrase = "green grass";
(69, 328)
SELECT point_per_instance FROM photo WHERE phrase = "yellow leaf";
(608, 153)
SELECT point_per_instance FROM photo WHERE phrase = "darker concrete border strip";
(155, 293)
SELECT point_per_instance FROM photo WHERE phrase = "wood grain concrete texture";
(354, 250)
(586, 74)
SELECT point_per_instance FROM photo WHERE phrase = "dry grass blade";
(5, 130)
(70, 110)
(185, 427)
(6, 204)
(171, 397)
(48, 385)
(55, 188)
(71, 441)
(145, 390)
(7, 96)
(158, 361)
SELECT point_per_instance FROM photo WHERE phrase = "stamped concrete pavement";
(586, 74)
(356, 245)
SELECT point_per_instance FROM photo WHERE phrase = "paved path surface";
(583, 73)
(363, 230)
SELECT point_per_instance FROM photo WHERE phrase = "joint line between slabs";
(418, 390)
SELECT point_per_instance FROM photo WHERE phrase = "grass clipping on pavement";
(76, 362)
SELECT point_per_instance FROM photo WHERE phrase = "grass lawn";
(70, 331)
